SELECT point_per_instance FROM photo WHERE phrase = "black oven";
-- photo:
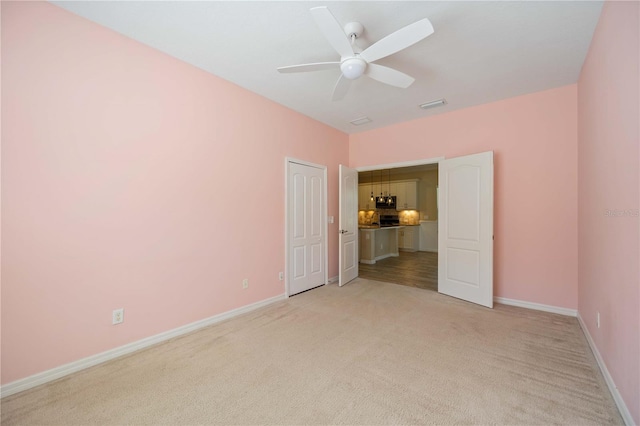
(389, 220)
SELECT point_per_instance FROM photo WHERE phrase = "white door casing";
(348, 224)
(306, 229)
(465, 228)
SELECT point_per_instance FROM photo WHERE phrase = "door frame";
(433, 160)
(287, 161)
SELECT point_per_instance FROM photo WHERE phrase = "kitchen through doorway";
(398, 225)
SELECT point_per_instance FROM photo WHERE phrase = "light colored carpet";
(366, 353)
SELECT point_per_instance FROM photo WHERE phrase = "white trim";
(288, 160)
(325, 221)
(333, 280)
(382, 256)
(424, 162)
(385, 256)
(537, 306)
(622, 407)
(90, 361)
(624, 411)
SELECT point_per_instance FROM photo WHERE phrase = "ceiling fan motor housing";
(353, 29)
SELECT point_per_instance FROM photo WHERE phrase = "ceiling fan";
(354, 62)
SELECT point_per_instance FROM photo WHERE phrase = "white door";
(306, 223)
(465, 219)
(348, 268)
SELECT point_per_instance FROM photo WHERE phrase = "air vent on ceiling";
(360, 121)
(434, 104)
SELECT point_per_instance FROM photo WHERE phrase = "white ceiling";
(480, 52)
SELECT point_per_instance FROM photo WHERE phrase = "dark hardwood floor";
(419, 269)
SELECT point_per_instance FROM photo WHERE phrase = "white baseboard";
(333, 280)
(624, 411)
(81, 364)
(537, 306)
(384, 256)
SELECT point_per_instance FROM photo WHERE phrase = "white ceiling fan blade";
(341, 88)
(318, 66)
(389, 76)
(332, 30)
(398, 40)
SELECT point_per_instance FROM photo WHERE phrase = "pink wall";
(116, 158)
(131, 179)
(608, 163)
(534, 139)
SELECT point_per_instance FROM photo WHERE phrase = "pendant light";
(372, 197)
(389, 199)
(381, 199)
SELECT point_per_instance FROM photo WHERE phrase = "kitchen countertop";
(374, 227)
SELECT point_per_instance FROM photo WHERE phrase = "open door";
(348, 223)
(465, 228)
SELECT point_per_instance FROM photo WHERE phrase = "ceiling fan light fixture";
(353, 68)
(434, 104)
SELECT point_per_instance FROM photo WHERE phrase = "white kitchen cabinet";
(364, 197)
(407, 195)
(412, 195)
(428, 235)
(401, 195)
(362, 201)
(409, 238)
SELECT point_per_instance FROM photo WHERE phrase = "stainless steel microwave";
(386, 204)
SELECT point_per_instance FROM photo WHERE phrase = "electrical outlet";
(281, 276)
(245, 283)
(598, 319)
(117, 316)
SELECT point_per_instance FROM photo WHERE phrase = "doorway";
(465, 224)
(415, 210)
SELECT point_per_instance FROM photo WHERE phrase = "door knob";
(342, 231)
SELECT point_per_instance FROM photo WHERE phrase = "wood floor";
(413, 269)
